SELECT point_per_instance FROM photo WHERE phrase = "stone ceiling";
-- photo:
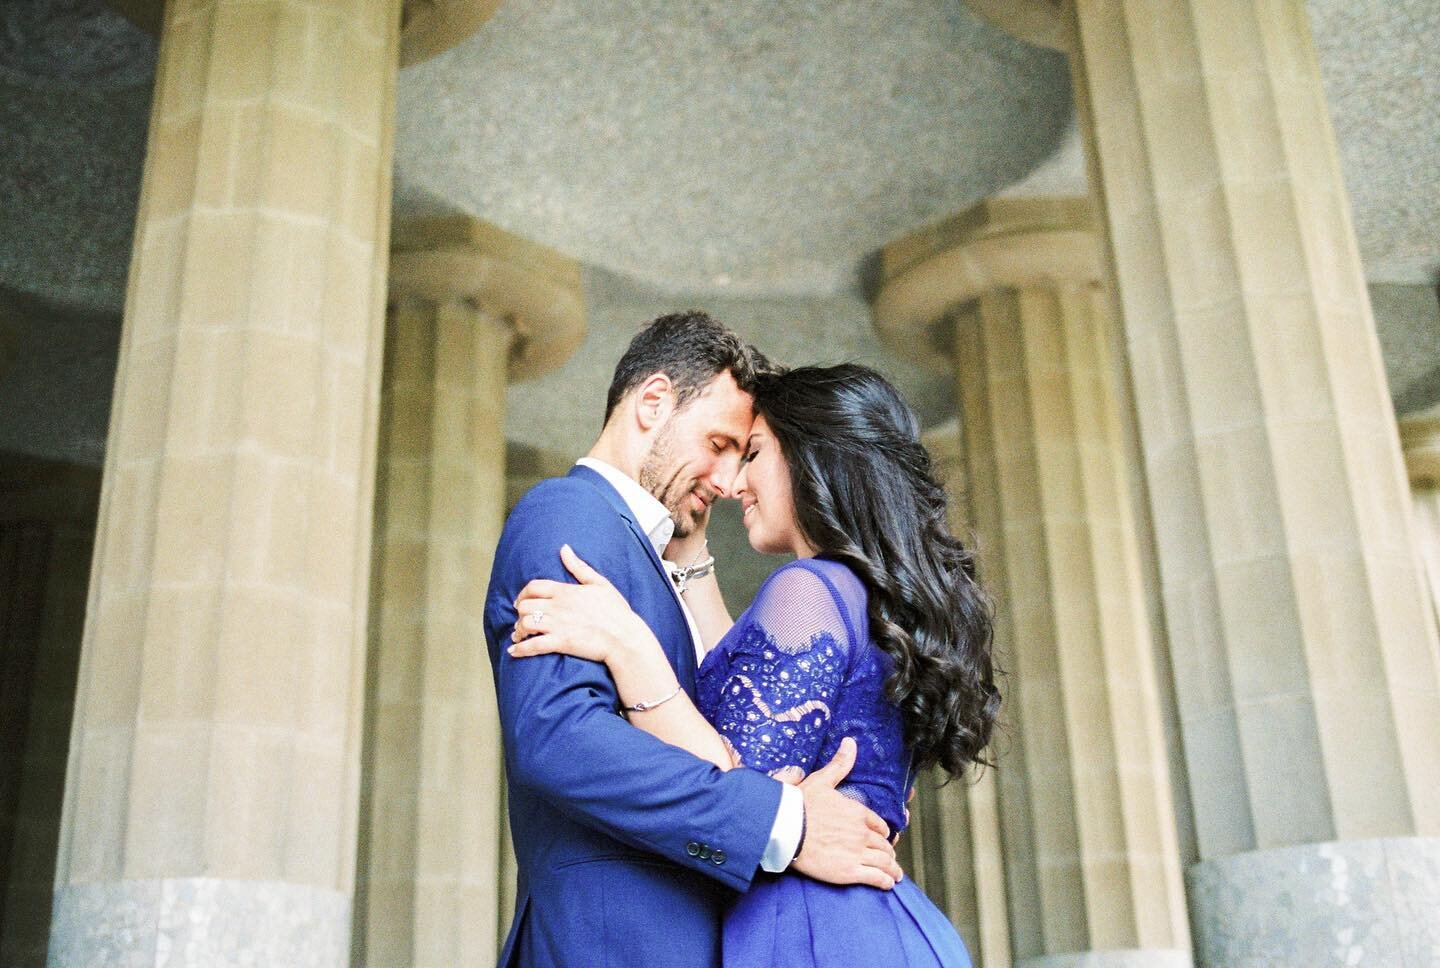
(752, 147)
(749, 148)
(748, 156)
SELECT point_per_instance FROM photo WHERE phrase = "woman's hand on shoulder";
(590, 620)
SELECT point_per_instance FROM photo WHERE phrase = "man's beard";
(660, 475)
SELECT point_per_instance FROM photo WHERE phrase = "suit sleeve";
(565, 740)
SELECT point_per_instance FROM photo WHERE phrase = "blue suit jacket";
(626, 845)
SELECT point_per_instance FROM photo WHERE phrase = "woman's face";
(766, 505)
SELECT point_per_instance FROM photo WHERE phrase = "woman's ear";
(654, 401)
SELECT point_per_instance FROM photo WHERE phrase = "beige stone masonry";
(217, 720)
(1092, 860)
(1305, 651)
(1420, 438)
(952, 845)
(471, 308)
(537, 290)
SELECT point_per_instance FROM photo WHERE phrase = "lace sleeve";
(789, 659)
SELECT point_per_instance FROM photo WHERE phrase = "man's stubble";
(660, 475)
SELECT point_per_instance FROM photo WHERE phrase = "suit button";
(704, 851)
(693, 849)
(718, 857)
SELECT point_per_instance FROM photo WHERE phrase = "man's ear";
(654, 401)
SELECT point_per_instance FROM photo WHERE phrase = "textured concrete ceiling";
(754, 147)
(747, 157)
(1380, 60)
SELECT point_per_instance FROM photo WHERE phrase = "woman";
(877, 632)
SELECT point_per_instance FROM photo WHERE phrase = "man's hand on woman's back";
(844, 842)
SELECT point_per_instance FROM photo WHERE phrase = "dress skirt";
(791, 920)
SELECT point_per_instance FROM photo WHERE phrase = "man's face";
(696, 454)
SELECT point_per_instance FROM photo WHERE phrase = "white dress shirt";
(655, 521)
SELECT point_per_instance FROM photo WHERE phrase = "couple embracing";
(692, 790)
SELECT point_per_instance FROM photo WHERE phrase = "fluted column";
(1092, 862)
(1420, 439)
(212, 789)
(952, 847)
(471, 309)
(1306, 670)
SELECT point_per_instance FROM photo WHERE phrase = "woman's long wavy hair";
(865, 493)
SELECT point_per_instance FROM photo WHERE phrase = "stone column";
(952, 846)
(1092, 862)
(471, 309)
(1306, 669)
(212, 788)
(1420, 439)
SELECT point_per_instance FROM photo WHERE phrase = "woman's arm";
(707, 605)
(591, 620)
(702, 595)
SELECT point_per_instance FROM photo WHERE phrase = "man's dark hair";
(691, 348)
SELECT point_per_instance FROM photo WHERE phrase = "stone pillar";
(952, 850)
(1306, 671)
(952, 846)
(212, 789)
(1420, 439)
(471, 309)
(1092, 862)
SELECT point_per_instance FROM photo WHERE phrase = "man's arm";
(563, 737)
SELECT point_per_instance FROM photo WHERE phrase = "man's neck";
(615, 453)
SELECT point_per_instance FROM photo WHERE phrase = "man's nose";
(737, 483)
(722, 479)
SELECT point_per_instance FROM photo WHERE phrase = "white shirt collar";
(649, 513)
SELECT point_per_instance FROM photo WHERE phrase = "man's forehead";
(722, 401)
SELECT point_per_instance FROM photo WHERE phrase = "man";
(627, 846)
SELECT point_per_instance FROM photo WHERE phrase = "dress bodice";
(797, 673)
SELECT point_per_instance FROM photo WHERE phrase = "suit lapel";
(683, 657)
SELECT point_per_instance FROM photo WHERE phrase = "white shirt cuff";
(785, 835)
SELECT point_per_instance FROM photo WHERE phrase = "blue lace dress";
(795, 675)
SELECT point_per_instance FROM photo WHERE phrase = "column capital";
(998, 244)
(1420, 441)
(534, 289)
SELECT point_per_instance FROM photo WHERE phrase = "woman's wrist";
(687, 550)
(639, 665)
